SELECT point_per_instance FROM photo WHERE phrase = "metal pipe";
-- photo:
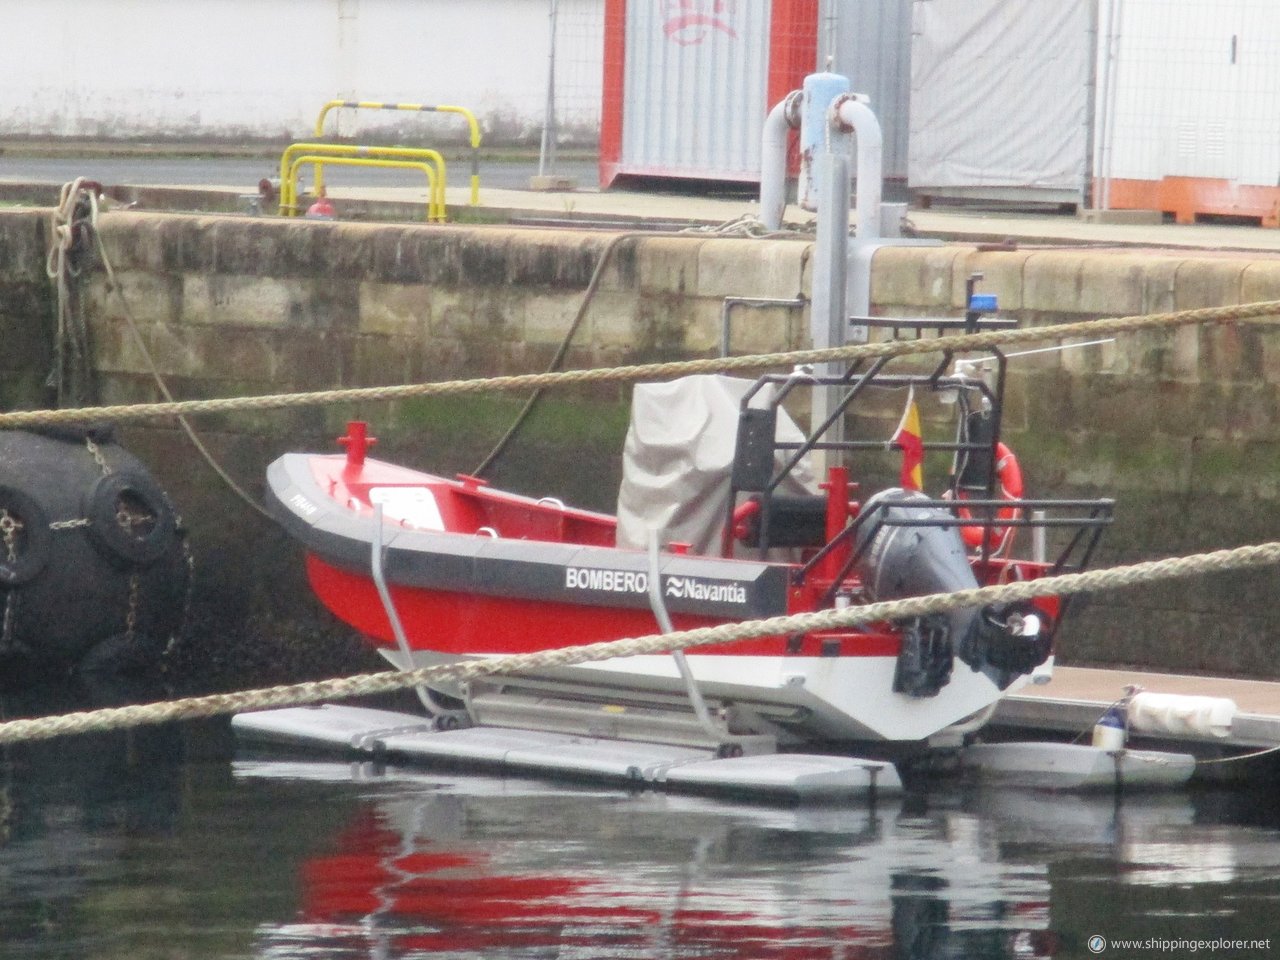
(827, 310)
(854, 114)
(1114, 26)
(472, 125)
(659, 607)
(547, 153)
(288, 188)
(773, 160)
(435, 210)
(389, 607)
(1039, 547)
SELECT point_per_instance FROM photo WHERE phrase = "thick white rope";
(114, 718)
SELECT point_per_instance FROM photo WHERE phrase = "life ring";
(1009, 475)
(25, 539)
(130, 518)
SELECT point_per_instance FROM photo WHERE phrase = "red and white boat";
(717, 469)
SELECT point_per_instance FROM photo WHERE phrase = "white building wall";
(263, 68)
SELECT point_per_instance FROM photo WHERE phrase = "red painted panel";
(793, 46)
(615, 47)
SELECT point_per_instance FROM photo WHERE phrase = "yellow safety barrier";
(336, 152)
(435, 209)
(419, 108)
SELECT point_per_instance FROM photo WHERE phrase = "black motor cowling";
(898, 561)
(91, 555)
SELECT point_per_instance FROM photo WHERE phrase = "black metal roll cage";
(754, 470)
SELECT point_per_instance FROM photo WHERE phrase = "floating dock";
(399, 736)
(1077, 696)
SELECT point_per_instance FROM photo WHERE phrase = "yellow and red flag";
(910, 439)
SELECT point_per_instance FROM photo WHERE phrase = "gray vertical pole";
(547, 153)
(827, 311)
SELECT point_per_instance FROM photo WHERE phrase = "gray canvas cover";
(1000, 95)
(678, 458)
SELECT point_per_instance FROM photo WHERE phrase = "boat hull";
(463, 595)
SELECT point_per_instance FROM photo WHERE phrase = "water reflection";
(508, 869)
(72, 809)
(121, 846)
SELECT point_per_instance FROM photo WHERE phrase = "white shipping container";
(1171, 105)
(1191, 123)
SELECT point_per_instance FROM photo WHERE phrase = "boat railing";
(755, 470)
(973, 501)
(755, 467)
(1086, 520)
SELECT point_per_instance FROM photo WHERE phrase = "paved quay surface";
(960, 223)
(501, 191)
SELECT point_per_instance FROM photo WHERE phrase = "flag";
(910, 439)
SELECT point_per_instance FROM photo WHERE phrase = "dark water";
(157, 845)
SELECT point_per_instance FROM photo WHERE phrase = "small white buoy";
(1109, 732)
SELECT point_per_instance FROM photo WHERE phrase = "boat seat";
(795, 520)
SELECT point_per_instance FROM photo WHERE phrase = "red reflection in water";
(438, 901)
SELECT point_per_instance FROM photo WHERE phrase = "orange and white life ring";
(1009, 475)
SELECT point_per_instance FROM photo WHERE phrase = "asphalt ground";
(244, 172)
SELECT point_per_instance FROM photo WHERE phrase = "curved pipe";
(854, 114)
(773, 160)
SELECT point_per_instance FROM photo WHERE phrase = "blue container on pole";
(816, 136)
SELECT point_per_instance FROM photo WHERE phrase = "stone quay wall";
(1180, 427)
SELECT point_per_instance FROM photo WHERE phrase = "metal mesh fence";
(1190, 90)
(574, 72)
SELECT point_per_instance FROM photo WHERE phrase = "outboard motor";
(898, 561)
(93, 565)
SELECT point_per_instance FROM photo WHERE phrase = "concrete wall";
(1179, 427)
(239, 69)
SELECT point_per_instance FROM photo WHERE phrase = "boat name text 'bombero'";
(612, 581)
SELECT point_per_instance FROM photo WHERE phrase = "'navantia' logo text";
(691, 588)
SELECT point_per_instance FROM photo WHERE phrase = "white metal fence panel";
(1196, 90)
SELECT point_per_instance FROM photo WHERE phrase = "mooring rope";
(74, 218)
(1114, 578)
(649, 371)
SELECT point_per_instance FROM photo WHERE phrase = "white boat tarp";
(678, 460)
